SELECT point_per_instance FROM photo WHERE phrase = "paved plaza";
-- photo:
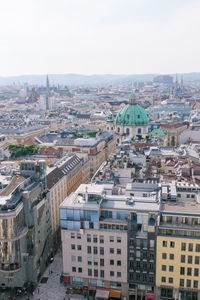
(51, 290)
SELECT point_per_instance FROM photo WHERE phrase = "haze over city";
(99, 37)
(99, 150)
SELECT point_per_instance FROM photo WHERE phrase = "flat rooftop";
(181, 208)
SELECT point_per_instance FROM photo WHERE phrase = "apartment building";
(25, 227)
(63, 178)
(109, 241)
(98, 149)
(178, 251)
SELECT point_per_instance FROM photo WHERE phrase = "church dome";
(132, 115)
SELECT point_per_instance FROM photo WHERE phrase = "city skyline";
(92, 37)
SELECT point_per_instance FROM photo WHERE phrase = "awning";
(150, 297)
(115, 294)
(102, 294)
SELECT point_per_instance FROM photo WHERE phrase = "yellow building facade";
(177, 267)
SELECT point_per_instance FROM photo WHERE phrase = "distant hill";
(77, 79)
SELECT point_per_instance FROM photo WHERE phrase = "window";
(190, 247)
(181, 282)
(164, 268)
(138, 254)
(72, 235)
(102, 273)
(172, 244)
(139, 130)
(95, 240)
(101, 262)
(111, 250)
(183, 246)
(88, 238)
(188, 196)
(79, 247)
(73, 258)
(196, 272)
(95, 261)
(163, 279)
(151, 267)
(80, 270)
(118, 239)
(89, 249)
(182, 271)
(183, 258)
(151, 256)
(197, 247)
(189, 271)
(89, 272)
(79, 236)
(79, 258)
(164, 243)
(170, 280)
(145, 266)
(73, 247)
(189, 259)
(89, 260)
(118, 251)
(171, 269)
(119, 274)
(196, 260)
(95, 250)
(164, 255)
(112, 262)
(111, 239)
(112, 273)
(73, 269)
(171, 256)
(101, 239)
(152, 243)
(95, 273)
(195, 284)
(119, 263)
(188, 283)
(101, 251)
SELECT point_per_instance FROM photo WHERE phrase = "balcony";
(11, 268)
(179, 225)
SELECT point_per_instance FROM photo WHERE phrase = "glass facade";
(75, 219)
(10, 254)
(115, 215)
(11, 227)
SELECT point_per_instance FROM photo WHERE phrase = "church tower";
(47, 94)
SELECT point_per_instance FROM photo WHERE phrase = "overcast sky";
(99, 36)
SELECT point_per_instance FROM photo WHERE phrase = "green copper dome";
(132, 115)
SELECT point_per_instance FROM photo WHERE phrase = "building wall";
(57, 195)
(70, 257)
(173, 245)
(131, 131)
